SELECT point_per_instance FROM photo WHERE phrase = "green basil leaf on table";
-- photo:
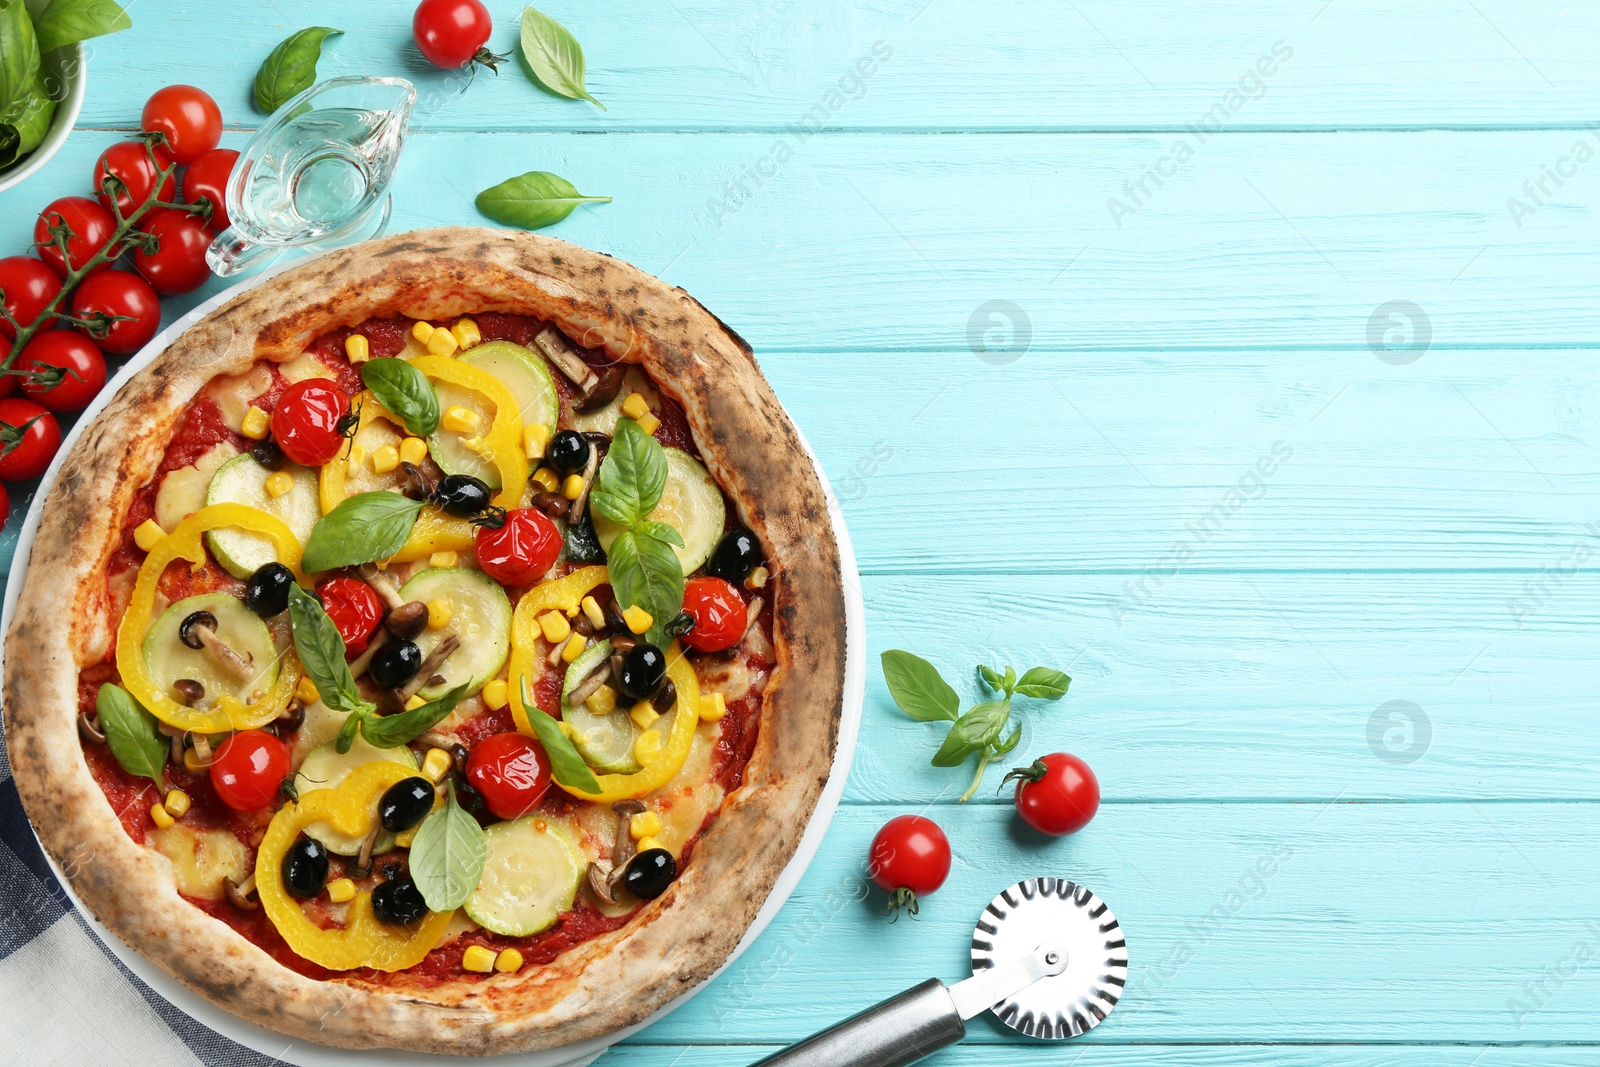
(975, 730)
(554, 56)
(70, 21)
(566, 766)
(291, 68)
(632, 477)
(533, 200)
(660, 531)
(132, 733)
(321, 651)
(998, 750)
(392, 731)
(918, 689)
(1044, 683)
(447, 855)
(19, 51)
(405, 391)
(365, 528)
(10, 144)
(646, 572)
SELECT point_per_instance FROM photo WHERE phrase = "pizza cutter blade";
(1048, 958)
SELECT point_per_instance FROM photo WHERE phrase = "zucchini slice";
(168, 659)
(325, 768)
(529, 879)
(525, 374)
(604, 420)
(604, 741)
(242, 480)
(480, 614)
(691, 504)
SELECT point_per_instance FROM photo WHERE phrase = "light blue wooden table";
(1348, 246)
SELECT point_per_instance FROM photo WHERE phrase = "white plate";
(307, 1054)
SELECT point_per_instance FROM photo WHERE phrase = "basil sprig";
(291, 68)
(533, 200)
(362, 529)
(405, 391)
(566, 766)
(131, 732)
(19, 51)
(554, 56)
(640, 563)
(321, 651)
(392, 731)
(70, 21)
(447, 855)
(920, 691)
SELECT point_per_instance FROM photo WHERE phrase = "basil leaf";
(447, 855)
(533, 200)
(991, 677)
(291, 68)
(347, 731)
(29, 115)
(19, 52)
(566, 766)
(1044, 683)
(70, 21)
(632, 477)
(392, 731)
(10, 144)
(645, 571)
(554, 56)
(321, 651)
(132, 732)
(660, 531)
(917, 688)
(405, 391)
(996, 751)
(976, 729)
(364, 528)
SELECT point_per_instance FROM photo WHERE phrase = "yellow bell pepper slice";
(503, 442)
(185, 542)
(566, 595)
(363, 941)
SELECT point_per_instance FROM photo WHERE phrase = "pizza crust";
(61, 624)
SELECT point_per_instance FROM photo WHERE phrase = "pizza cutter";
(1048, 958)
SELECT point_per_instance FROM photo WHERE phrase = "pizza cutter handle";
(899, 1031)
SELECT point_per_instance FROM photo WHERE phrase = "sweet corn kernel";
(574, 647)
(638, 619)
(509, 960)
(435, 763)
(444, 559)
(643, 714)
(477, 958)
(466, 333)
(415, 702)
(650, 424)
(438, 614)
(161, 816)
(422, 331)
(192, 761)
(341, 890)
(535, 439)
(546, 478)
(256, 423)
(496, 694)
(593, 611)
(386, 459)
(442, 343)
(572, 488)
(647, 747)
(644, 824)
(634, 407)
(758, 578)
(413, 450)
(602, 701)
(177, 803)
(405, 838)
(148, 534)
(278, 484)
(648, 843)
(458, 419)
(357, 349)
(305, 690)
(358, 456)
(555, 626)
(713, 708)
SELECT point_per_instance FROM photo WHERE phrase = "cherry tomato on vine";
(207, 177)
(65, 370)
(451, 33)
(910, 858)
(92, 227)
(511, 771)
(178, 264)
(520, 549)
(310, 421)
(29, 437)
(5, 507)
(718, 612)
(29, 286)
(1056, 794)
(118, 293)
(354, 608)
(188, 118)
(248, 768)
(130, 162)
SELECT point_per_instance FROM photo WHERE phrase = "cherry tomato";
(910, 858)
(75, 364)
(130, 161)
(511, 771)
(207, 177)
(718, 612)
(451, 33)
(188, 118)
(119, 293)
(519, 551)
(29, 437)
(29, 286)
(310, 420)
(248, 768)
(92, 227)
(178, 265)
(5, 507)
(354, 609)
(1056, 794)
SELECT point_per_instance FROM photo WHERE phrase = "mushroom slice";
(575, 514)
(89, 730)
(553, 343)
(590, 684)
(238, 893)
(600, 882)
(430, 664)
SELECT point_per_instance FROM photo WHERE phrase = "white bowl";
(65, 71)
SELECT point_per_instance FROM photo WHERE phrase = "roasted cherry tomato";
(92, 227)
(519, 550)
(718, 613)
(354, 608)
(29, 437)
(129, 161)
(451, 33)
(29, 286)
(511, 772)
(309, 421)
(119, 293)
(1056, 794)
(189, 119)
(248, 768)
(910, 858)
(178, 264)
(65, 370)
(207, 177)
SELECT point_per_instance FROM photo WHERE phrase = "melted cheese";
(304, 369)
(183, 491)
(234, 393)
(201, 859)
